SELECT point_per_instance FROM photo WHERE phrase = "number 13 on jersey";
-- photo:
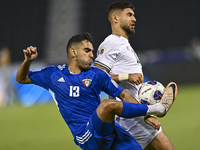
(74, 91)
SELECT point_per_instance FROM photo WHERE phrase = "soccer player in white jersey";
(119, 59)
(76, 89)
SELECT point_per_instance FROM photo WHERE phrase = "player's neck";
(72, 67)
(120, 32)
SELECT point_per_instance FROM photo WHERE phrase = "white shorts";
(139, 129)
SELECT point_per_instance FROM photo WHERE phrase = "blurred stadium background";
(167, 41)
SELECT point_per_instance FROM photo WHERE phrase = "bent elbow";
(18, 80)
(23, 80)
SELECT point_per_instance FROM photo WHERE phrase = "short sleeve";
(109, 86)
(41, 78)
(107, 53)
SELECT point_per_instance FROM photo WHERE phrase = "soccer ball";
(151, 92)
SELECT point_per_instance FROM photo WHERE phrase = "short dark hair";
(79, 38)
(120, 5)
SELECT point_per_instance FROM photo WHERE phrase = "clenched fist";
(30, 53)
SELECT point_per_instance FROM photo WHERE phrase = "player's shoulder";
(54, 68)
(95, 69)
(113, 39)
(113, 42)
(98, 70)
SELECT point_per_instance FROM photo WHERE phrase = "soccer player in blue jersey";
(76, 89)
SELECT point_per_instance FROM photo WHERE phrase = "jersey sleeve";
(109, 86)
(107, 54)
(40, 78)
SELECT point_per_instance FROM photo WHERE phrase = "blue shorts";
(99, 135)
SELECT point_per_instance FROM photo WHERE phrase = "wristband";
(122, 77)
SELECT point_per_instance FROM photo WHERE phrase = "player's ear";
(73, 52)
(115, 18)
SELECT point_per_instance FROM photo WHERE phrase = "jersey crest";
(87, 82)
(103, 49)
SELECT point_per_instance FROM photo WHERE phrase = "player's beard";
(127, 29)
(84, 66)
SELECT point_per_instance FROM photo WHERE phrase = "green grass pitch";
(42, 127)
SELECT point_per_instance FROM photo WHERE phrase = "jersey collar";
(121, 37)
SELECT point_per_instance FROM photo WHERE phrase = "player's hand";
(30, 53)
(153, 122)
(136, 78)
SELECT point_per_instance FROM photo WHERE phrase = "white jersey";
(116, 54)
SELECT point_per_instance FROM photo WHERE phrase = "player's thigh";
(97, 134)
(108, 108)
(160, 142)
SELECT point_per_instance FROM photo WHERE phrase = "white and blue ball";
(151, 92)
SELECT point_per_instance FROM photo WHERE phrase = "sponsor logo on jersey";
(87, 82)
(61, 79)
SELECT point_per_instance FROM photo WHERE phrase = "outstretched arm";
(30, 54)
(136, 78)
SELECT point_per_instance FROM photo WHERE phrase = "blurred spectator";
(6, 86)
(195, 47)
(5, 57)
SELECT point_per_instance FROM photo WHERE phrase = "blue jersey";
(77, 95)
